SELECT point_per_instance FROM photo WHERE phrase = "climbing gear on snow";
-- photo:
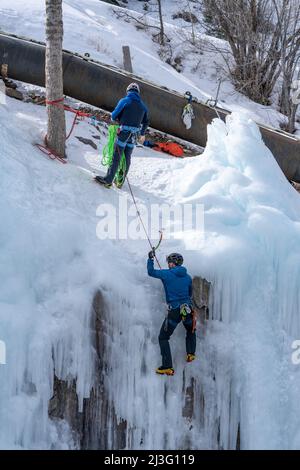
(190, 357)
(169, 147)
(175, 258)
(133, 87)
(172, 148)
(188, 112)
(78, 115)
(50, 153)
(185, 310)
(165, 371)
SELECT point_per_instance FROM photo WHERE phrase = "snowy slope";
(91, 26)
(52, 262)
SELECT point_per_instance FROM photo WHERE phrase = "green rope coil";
(108, 153)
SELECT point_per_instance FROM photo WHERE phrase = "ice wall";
(250, 252)
(242, 391)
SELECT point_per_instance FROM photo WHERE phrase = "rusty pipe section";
(102, 86)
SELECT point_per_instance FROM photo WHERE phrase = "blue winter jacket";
(131, 111)
(177, 283)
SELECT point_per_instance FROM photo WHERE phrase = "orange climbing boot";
(165, 371)
(190, 357)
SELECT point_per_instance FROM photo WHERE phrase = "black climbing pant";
(167, 329)
(124, 144)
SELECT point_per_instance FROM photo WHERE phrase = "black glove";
(151, 254)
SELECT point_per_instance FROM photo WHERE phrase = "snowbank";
(52, 263)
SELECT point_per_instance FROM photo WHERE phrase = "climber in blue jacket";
(178, 288)
(132, 115)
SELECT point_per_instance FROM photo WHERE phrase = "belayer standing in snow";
(132, 115)
(178, 288)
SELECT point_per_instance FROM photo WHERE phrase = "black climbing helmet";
(133, 87)
(175, 258)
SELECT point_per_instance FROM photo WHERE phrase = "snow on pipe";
(102, 85)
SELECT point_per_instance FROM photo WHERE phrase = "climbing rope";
(108, 154)
(78, 114)
(143, 225)
(212, 103)
(107, 159)
(108, 149)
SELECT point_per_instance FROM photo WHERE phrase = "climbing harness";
(134, 133)
(188, 112)
(185, 310)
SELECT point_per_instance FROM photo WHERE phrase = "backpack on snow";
(169, 147)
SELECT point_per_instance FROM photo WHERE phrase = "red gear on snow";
(169, 147)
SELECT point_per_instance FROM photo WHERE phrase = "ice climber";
(178, 288)
(132, 115)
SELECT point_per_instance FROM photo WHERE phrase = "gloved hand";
(151, 254)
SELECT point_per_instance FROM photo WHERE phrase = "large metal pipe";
(102, 85)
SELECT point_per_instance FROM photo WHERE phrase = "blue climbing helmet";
(175, 258)
(133, 87)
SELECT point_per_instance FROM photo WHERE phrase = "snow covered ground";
(91, 26)
(51, 263)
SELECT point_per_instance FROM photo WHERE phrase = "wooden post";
(4, 70)
(3, 75)
(127, 59)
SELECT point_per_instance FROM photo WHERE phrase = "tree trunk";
(192, 23)
(56, 130)
(292, 119)
(162, 30)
